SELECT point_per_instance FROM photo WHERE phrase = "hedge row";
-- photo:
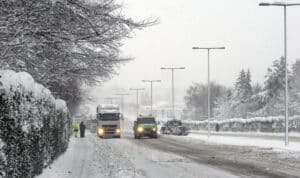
(34, 127)
(258, 124)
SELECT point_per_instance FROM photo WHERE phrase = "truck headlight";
(118, 131)
(154, 129)
(100, 131)
(140, 129)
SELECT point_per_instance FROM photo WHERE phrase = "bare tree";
(63, 43)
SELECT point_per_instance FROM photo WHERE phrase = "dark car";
(174, 127)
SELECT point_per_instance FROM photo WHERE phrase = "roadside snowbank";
(277, 145)
(246, 134)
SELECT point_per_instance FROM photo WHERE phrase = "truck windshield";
(109, 116)
(146, 120)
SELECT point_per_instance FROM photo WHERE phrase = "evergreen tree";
(296, 75)
(239, 84)
(243, 88)
(275, 82)
(248, 86)
(271, 99)
(294, 100)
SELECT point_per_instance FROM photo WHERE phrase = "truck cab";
(145, 126)
(108, 121)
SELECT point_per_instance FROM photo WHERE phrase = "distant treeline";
(245, 99)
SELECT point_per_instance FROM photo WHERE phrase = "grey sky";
(252, 35)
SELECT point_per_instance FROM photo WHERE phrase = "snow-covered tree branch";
(63, 43)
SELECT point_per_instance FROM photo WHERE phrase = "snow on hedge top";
(1, 144)
(23, 82)
(2, 155)
(61, 105)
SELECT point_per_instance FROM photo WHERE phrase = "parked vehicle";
(145, 126)
(174, 127)
(108, 121)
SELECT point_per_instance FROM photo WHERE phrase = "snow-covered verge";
(274, 144)
(257, 124)
(34, 126)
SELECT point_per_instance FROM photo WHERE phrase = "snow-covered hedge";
(34, 126)
(2, 158)
(257, 124)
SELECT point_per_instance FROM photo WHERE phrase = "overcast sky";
(252, 35)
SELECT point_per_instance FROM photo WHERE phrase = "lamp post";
(137, 98)
(208, 80)
(151, 90)
(172, 69)
(284, 5)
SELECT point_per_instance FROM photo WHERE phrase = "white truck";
(108, 121)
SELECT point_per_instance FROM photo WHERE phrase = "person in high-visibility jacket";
(76, 126)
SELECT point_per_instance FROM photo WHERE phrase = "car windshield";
(146, 120)
(109, 116)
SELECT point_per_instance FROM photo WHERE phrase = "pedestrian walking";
(75, 129)
(82, 129)
(217, 127)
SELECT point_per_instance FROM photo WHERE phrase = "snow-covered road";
(92, 157)
(168, 156)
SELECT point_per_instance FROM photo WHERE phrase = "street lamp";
(137, 98)
(172, 69)
(208, 80)
(151, 89)
(279, 4)
(284, 5)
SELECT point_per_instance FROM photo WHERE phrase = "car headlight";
(100, 131)
(118, 131)
(154, 129)
(140, 129)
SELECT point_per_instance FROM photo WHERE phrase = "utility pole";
(137, 98)
(122, 95)
(151, 92)
(208, 81)
(123, 106)
(286, 101)
(173, 92)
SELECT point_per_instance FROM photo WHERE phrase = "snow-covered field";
(93, 157)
